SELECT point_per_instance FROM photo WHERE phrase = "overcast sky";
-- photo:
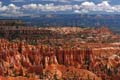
(36, 7)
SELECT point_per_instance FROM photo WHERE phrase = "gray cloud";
(17, 0)
(33, 9)
(85, 6)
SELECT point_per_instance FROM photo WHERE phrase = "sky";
(37, 7)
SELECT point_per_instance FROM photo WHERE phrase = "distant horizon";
(37, 16)
(86, 20)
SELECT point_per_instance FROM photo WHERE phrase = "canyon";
(78, 54)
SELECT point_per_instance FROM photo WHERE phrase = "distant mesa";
(11, 22)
